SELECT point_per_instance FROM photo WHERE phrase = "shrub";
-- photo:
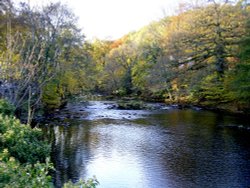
(23, 142)
(24, 157)
(6, 108)
(52, 95)
(90, 183)
(15, 175)
(131, 105)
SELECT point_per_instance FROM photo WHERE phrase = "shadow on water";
(149, 148)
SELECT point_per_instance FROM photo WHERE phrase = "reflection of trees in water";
(70, 152)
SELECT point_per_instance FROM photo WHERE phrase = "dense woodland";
(199, 56)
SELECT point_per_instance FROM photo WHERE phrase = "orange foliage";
(116, 43)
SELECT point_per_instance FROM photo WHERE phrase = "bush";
(23, 143)
(24, 157)
(90, 183)
(15, 175)
(6, 108)
(52, 97)
(131, 105)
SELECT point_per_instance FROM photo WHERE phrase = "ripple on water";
(151, 149)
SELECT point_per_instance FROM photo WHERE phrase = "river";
(164, 147)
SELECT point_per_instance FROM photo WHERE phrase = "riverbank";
(135, 101)
(78, 112)
(25, 154)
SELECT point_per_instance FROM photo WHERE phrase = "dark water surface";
(149, 148)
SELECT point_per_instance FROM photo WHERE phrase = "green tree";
(240, 78)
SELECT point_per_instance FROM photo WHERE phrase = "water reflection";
(173, 148)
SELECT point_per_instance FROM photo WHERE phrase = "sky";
(111, 19)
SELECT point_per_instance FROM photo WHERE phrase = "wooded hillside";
(199, 56)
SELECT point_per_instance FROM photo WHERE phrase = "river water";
(160, 148)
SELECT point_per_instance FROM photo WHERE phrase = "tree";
(240, 76)
(122, 59)
(33, 53)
